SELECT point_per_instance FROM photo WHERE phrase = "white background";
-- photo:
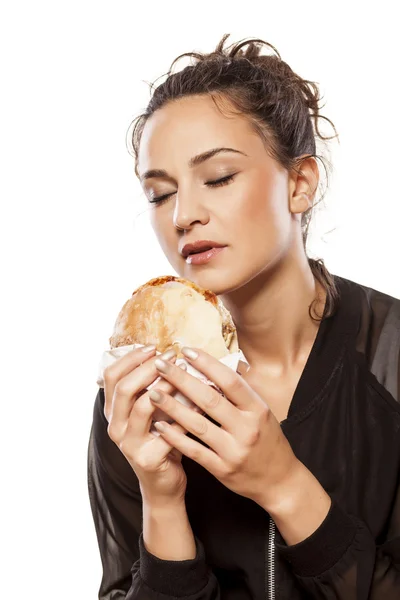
(73, 78)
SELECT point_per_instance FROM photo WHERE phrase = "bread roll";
(174, 312)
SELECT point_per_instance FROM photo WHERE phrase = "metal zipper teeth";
(271, 560)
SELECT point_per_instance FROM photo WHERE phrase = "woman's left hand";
(249, 453)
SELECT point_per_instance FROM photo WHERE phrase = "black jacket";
(343, 424)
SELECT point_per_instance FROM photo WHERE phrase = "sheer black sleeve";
(130, 572)
(341, 559)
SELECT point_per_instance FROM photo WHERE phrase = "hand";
(129, 413)
(249, 453)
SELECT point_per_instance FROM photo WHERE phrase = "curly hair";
(281, 107)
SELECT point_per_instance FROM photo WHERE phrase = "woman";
(288, 486)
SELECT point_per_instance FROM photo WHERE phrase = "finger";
(124, 365)
(120, 368)
(128, 388)
(142, 412)
(215, 437)
(205, 457)
(159, 448)
(231, 383)
(203, 395)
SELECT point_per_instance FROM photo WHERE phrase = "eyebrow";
(193, 162)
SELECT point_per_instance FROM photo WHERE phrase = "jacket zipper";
(271, 561)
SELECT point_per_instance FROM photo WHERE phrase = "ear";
(300, 203)
(303, 185)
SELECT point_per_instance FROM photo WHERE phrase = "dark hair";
(277, 102)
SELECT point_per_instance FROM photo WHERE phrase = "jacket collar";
(334, 336)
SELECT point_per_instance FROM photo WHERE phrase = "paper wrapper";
(110, 356)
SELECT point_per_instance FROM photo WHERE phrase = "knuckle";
(122, 389)
(145, 462)
(264, 416)
(236, 462)
(107, 411)
(252, 437)
(229, 470)
(211, 398)
(126, 448)
(142, 407)
(196, 454)
(234, 383)
(201, 427)
(239, 459)
(112, 432)
(108, 374)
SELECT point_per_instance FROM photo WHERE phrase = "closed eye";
(219, 182)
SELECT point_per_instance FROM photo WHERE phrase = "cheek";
(261, 214)
(158, 222)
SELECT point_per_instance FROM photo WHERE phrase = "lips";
(199, 246)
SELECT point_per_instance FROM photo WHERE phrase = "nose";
(189, 211)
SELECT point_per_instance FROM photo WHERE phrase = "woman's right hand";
(129, 413)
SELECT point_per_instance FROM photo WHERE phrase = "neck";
(271, 314)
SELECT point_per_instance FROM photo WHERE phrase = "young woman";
(288, 486)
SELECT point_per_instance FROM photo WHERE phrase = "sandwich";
(174, 312)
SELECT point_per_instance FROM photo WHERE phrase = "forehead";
(188, 126)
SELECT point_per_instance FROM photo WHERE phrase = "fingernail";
(148, 348)
(155, 396)
(168, 354)
(160, 426)
(183, 367)
(161, 365)
(189, 353)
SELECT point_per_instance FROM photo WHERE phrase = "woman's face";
(249, 213)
